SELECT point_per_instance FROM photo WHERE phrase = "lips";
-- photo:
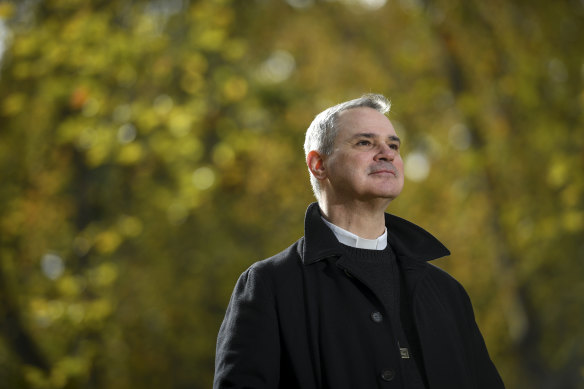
(385, 168)
(383, 171)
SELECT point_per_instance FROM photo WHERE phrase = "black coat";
(301, 319)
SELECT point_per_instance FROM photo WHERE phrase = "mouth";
(383, 169)
(383, 172)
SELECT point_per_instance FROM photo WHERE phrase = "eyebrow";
(370, 135)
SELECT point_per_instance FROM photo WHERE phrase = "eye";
(394, 146)
(363, 142)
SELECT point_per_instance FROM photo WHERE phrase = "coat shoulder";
(281, 267)
(441, 275)
(445, 281)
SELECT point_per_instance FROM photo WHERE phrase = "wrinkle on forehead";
(364, 120)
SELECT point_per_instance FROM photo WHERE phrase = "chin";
(382, 196)
(387, 194)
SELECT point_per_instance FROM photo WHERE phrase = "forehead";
(363, 119)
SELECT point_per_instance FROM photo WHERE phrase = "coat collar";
(406, 239)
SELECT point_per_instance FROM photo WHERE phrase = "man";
(354, 303)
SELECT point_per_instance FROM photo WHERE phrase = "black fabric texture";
(304, 319)
(378, 269)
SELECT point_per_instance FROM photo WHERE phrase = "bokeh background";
(150, 151)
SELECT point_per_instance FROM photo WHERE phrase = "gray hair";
(321, 134)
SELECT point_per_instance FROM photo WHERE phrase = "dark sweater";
(378, 269)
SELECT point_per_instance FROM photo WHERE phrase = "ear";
(315, 164)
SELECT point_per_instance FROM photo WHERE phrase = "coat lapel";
(407, 239)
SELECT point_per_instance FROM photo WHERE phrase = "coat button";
(377, 317)
(387, 375)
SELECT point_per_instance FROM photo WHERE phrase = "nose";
(385, 153)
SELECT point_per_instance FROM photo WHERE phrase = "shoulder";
(284, 259)
(276, 269)
(440, 274)
(444, 281)
(447, 289)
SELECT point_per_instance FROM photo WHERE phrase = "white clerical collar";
(350, 239)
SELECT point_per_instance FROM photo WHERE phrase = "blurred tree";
(152, 150)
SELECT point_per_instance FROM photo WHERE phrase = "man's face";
(365, 163)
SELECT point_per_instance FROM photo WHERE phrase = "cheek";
(398, 163)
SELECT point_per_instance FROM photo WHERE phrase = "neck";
(364, 219)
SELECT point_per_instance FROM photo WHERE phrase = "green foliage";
(152, 150)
